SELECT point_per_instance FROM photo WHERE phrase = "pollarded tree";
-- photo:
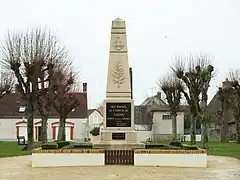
(172, 87)
(31, 55)
(45, 91)
(44, 107)
(196, 77)
(63, 100)
(224, 95)
(206, 75)
(235, 101)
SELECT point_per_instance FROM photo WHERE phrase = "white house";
(95, 118)
(13, 122)
(160, 120)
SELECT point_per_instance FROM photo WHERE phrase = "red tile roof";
(10, 103)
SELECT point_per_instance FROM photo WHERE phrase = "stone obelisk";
(118, 127)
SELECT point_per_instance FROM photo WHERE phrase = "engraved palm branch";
(118, 74)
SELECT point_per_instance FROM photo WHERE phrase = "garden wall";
(175, 158)
(96, 157)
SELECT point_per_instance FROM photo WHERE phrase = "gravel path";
(19, 168)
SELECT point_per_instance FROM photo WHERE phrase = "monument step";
(119, 145)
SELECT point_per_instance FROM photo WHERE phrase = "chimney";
(84, 87)
(131, 84)
(226, 84)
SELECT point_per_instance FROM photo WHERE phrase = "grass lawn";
(218, 148)
(224, 149)
(8, 149)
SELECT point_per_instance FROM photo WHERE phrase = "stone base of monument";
(124, 139)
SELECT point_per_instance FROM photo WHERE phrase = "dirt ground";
(219, 168)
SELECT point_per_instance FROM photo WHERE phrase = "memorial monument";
(118, 131)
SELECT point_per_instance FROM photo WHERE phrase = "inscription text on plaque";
(118, 114)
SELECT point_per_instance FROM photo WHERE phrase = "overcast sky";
(157, 31)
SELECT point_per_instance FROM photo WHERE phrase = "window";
(166, 117)
(95, 119)
(22, 108)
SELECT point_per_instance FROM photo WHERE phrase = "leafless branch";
(33, 56)
(6, 82)
(234, 75)
(172, 88)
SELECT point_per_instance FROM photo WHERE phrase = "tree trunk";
(237, 131)
(193, 128)
(174, 126)
(44, 130)
(30, 141)
(61, 129)
(204, 122)
(224, 123)
(204, 135)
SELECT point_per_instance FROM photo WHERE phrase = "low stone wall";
(141, 157)
(175, 158)
(67, 157)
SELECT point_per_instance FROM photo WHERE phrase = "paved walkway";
(220, 168)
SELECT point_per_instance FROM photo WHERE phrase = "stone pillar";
(118, 126)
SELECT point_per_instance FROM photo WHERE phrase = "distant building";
(214, 107)
(95, 118)
(13, 119)
(154, 114)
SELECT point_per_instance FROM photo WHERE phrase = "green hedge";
(161, 146)
(176, 143)
(83, 146)
(189, 147)
(51, 145)
(61, 144)
(95, 131)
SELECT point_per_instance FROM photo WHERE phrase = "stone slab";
(129, 135)
(121, 145)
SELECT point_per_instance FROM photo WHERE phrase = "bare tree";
(30, 55)
(207, 72)
(235, 101)
(197, 82)
(45, 91)
(63, 100)
(224, 95)
(172, 87)
(44, 107)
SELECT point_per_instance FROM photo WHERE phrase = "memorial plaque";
(118, 136)
(118, 114)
